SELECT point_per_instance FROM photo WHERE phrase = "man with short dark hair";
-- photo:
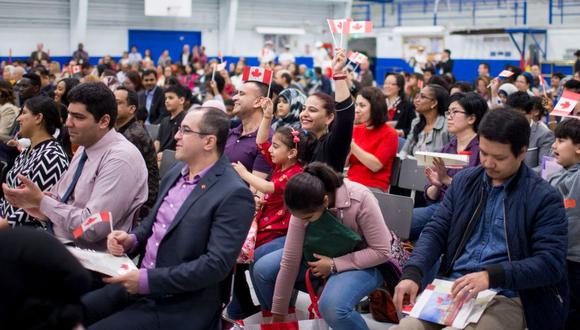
(107, 173)
(46, 86)
(500, 226)
(446, 64)
(174, 103)
(152, 98)
(28, 87)
(189, 243)
(133, 131)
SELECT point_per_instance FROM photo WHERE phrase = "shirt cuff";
(135, 244)
(47, 204)
(143, 282)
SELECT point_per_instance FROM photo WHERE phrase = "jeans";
(421, 216)
(574, 283)
(241, 304)
(340, 295)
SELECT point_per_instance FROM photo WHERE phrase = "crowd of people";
(313, 145)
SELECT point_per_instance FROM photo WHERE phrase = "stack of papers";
(425, 158)
(101, 262)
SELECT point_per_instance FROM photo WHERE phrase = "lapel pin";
(202, 186)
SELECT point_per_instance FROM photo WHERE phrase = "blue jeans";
(235, 309)
(421, 216)
(341, 293)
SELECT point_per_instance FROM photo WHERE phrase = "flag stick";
(333, 38)
(213, 72)
(341, 38)
(111, 222)
(269, 85)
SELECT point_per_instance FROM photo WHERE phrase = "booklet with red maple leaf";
(435, 304)
(102, 262)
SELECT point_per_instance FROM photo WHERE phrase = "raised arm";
(265, 124)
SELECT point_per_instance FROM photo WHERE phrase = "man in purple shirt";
(241, 143)
(189, 243)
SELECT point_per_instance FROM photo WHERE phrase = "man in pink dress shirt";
(107, 173)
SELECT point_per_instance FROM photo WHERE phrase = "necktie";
(76, 177)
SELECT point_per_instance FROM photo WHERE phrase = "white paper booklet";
(101, 262)
(435, 304)
(425, 158)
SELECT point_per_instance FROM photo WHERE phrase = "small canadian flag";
(505, 74)
(221, 66)
(361, 27)
(75, 69)
(91, 221)
(254, 73)
(357, 57)
(339, 25)
(566, 104)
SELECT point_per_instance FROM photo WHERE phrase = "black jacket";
(157, 111)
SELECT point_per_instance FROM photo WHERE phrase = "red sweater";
(382, 142)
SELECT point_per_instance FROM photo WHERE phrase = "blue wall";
(462, 69)
(157, 41)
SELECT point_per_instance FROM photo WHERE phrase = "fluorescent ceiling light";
(279, 30)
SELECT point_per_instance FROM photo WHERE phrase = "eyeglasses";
(451, 114)
(184, 130)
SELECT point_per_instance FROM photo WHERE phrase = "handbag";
(329, 237)
(247, 253)
(381, 305)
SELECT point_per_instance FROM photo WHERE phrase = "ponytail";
(306, 191)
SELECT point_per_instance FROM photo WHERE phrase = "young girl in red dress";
(287, 153)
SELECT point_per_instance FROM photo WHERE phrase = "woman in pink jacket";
(349, 277)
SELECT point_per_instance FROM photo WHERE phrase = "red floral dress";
(273, 218)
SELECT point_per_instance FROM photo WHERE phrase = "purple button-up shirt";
(242, 148)
(172, 202)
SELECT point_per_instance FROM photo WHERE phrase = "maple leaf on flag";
(90, 221)
(565, 105)
(357, 26)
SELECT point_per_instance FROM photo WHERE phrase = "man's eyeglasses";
(184, 130)
(451, 114)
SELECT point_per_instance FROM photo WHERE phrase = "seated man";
(500, 226)
(190, 240)
(107, 173)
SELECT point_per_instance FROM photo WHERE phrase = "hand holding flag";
(91, 221)
(339, 60)
(119, 242)
(503, 74)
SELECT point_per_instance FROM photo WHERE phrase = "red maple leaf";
(357, 26)
(90, 220)
(339, 25)
(256, 73)
(565, 105)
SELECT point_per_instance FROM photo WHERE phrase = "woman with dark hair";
(287, 108)
(481, 88)
(331, 121)
(524, 83)
(43, 162)
(8, 111)
(429, 131)
(464, 114)
(315, 193)
(400, 110)
(374, 143)
(133, 81)
(64, 86)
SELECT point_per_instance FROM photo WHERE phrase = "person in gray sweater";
(541, 138)
(567, 182)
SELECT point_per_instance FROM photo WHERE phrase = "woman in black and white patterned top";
(43, 162)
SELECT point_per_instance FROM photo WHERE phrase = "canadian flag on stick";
(339, 25)
(254, 73)
(91, 221)
(505, 74)
(361, 27)
(566, 104)
(356, 57)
